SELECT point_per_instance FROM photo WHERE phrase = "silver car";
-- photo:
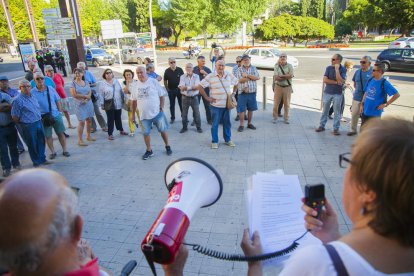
(402, 42)
(266, 57)
(135, 55)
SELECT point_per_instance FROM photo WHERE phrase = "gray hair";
(24, 82)
(38, 73)
(171, 59)
(81, 64)
(29, 257)
(48, 68)
(141, 67)
(149, 65)
(368, 58)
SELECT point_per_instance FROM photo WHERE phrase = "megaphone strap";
(241, 258)
(150, 263)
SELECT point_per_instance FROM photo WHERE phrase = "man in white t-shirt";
(148, 95)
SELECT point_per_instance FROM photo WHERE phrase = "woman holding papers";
(378, 196)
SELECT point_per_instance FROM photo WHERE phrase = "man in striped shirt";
(221, 84)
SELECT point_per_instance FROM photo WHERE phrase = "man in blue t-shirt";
(360, 80)
(375, 97)
(334, 78)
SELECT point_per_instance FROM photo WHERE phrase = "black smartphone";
(315, 197)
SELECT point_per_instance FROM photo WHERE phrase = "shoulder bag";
(288, 81)
(110, 104)
(47, 118)
(231, 101)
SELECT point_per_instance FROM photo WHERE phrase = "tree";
(304, 7)
(342, 27)
(361, 13)
(91, 13)
(316, 9)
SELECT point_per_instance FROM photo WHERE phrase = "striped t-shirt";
(217, 90)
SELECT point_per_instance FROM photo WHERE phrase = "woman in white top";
(111, 100)
(378, 197)
(128, 81)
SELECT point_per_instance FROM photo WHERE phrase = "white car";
(266, 57)
(402, 42)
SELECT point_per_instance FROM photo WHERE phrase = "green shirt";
(288, 68)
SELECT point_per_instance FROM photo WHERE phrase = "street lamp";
(152, 34)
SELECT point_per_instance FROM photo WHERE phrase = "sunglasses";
(39, 79)
(109, 72)
(283, 57)
(238, 61)
(172, 62)
(333, 59)
(375, 70)
(362, 62)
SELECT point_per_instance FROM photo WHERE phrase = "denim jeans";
(8, 143)
(218, 114)
(34, 137)
(337, 101)
(193, 102)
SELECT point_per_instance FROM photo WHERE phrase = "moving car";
(397, 59)
(98, 57)
(266, 57)
(402, 42)
(135, 55)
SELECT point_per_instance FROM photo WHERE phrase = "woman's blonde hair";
(348, 64)
(383, 162)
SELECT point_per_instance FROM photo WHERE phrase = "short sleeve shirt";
(26, 108)
(330, 73)
(173, 77)
(59, 82)
(217, 90)
(41, 97)
(251, 85)
(359, 89)
(187, 81)
(375, 96)
(147, 94)
(196, 70)
(287, 68)
(48, 82)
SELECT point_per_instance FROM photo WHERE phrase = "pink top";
(59, 82)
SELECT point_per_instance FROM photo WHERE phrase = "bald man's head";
(37, 211)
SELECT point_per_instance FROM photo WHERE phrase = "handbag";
(47, 118)
(110, 104)
(231, 100)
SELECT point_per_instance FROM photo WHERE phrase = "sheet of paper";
(275, 211)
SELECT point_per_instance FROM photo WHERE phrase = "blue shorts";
(246, 100)
(58, 126)
(160, 121)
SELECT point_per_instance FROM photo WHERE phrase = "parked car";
(135, 55)
(98, 57)
(267, 57)
(397, 59)
(402, 42)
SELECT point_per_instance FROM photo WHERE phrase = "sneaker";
(214, 145)
(320, 129)
(172, 121)
(336, 132)
(330, 117)
(274, 120)
(6, 173)
(147, 155)
(66, 135)
(230, 144)
(66, 154)
(251, 126)
(123, 133)
(351, 133)
(168, 149)
(184, 129)
(240, 129)
(286, 122)
(237, 118)
(131, 134)
(344, 120)
(52, 156)
(199, 130)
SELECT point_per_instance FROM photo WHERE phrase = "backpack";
(384, 94)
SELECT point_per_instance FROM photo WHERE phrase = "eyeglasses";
(172, 62)
(238, 61)
(108, 72)
(345, 160)
(39, 79)
(362, 62)
(283, 56)
(333, 59)
(375, 70)
(23, 86)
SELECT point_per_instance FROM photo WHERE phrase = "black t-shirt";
(173, 77)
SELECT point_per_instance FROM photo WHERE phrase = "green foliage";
(304, 7)
(287, 27)
(399, 13)
(316, 8)
(342, 28)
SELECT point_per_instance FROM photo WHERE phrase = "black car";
(397, 59)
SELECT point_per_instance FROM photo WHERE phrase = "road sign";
(111, 29)
(50, 13)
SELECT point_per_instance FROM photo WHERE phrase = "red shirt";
(90, 269)
(59, 82)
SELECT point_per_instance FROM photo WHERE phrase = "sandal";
(82, 144)
(66, 154)
(91, 139)
(110, 137)
(123, 133)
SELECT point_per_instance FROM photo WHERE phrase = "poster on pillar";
(27, 53)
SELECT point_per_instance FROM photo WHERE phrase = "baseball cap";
(4, 78)
(245, 56)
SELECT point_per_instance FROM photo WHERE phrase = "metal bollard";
(264, 93)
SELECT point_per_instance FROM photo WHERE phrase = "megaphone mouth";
(185, 172)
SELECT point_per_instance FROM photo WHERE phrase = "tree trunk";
(205, 35)
(244, 35)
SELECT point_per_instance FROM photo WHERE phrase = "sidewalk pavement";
(121, 194)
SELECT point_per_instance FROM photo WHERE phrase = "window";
(393, 52)
(254, 52)
(408, 53)
(266, 53)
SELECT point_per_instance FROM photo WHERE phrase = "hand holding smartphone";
(315, 197)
